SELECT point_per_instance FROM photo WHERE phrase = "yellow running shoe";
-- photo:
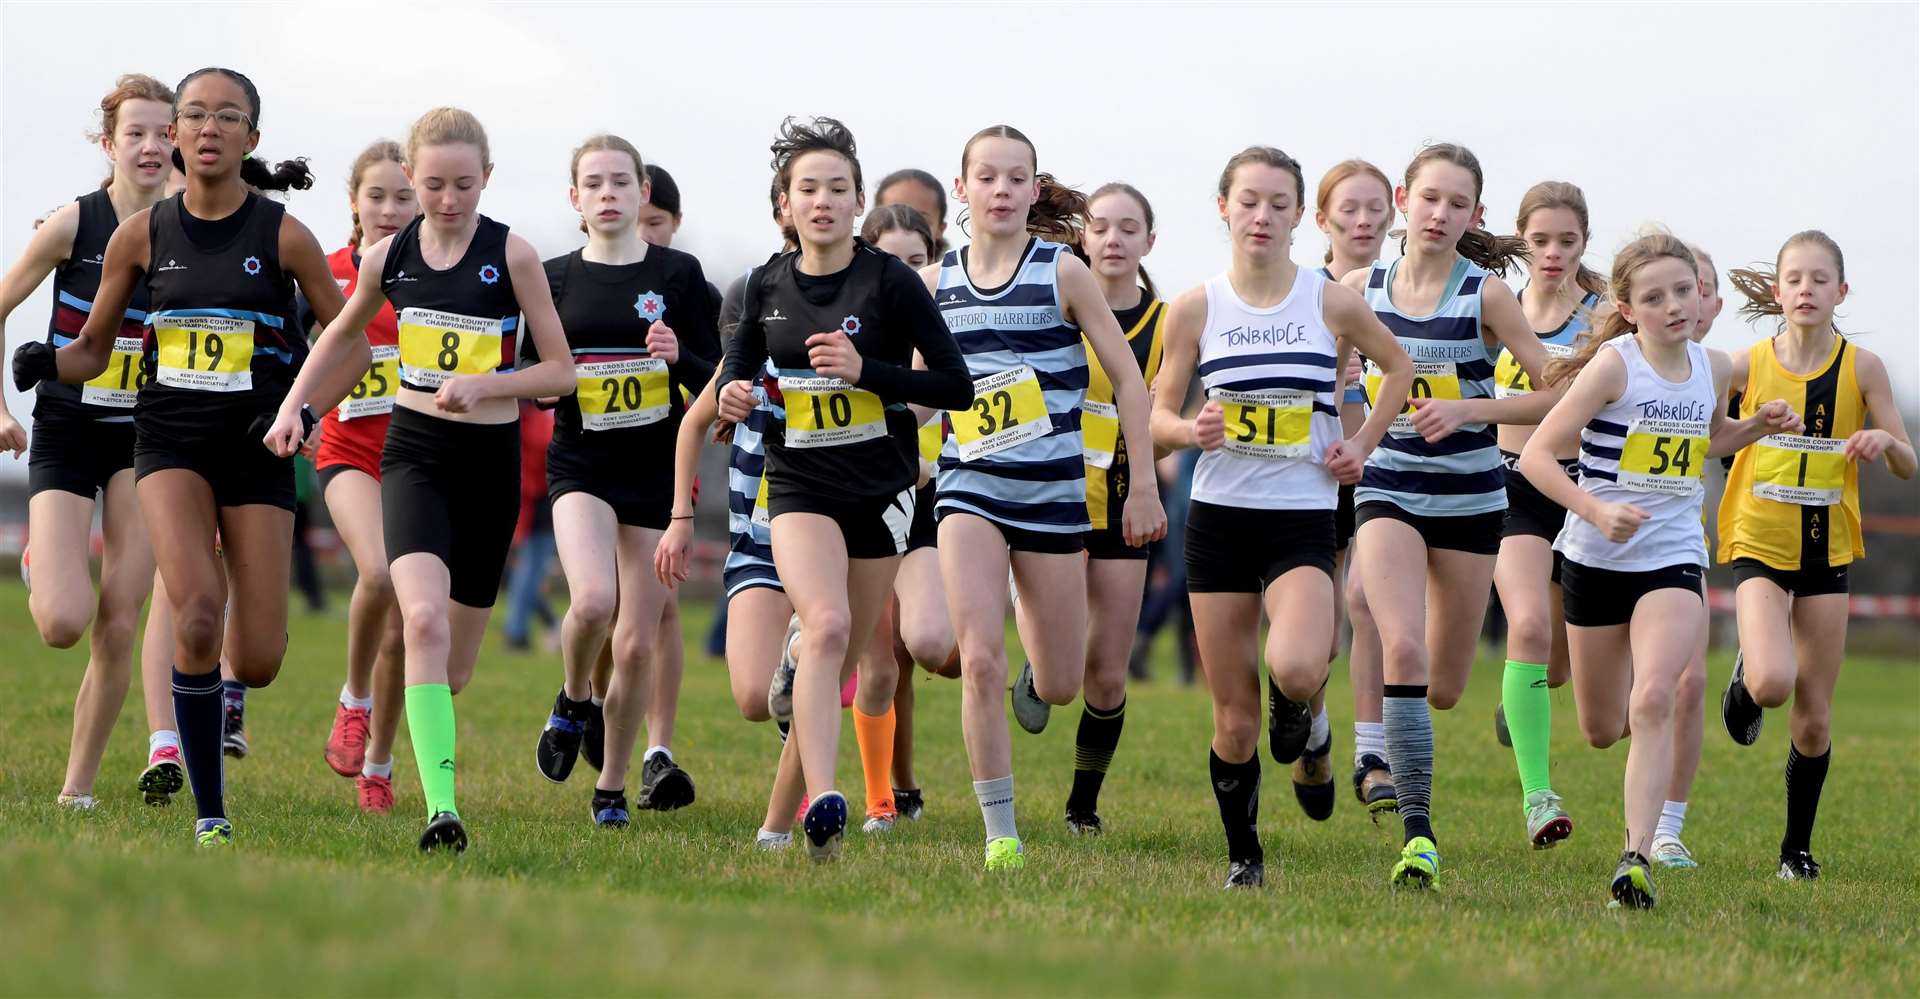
(1419, 865)
(1004, 853)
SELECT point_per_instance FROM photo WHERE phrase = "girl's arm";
(1179, 358)
(1501, 315)
(937, 379)
(670, 556)
(1599, 383)
(340, 354)
(746, 351)
(1888, 435)
(1348, 317)
(87, 355)
(1728, 436)
(552, 374)
(1142, 519)
(50, 244)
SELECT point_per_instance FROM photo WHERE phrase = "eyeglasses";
(228, 119)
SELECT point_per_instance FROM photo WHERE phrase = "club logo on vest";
(773, 318)
(650, 306)
(953, 298)
(251, 265)
(489, 274)
(850, 325)
(400, 277)
(171, 265)
(96, 260)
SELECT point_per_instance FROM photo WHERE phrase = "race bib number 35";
(1804, 471)
(209, 353)
(1099, 432)
(1664, 456)
(123, 379)
(1270, 426)
(1008, 410)
(373, 396)
(827, 412)
(436, 346)
(627, 393)
(1431, 380)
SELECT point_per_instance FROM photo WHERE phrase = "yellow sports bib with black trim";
(828, 412)
(373, 394)
(1664, 456)
(1431, 380)
(1273, 425)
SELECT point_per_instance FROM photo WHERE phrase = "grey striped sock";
(1410, 754)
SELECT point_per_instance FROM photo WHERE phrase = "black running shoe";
(1799, 866)
(1373, 785)
(663, 785)
(559, 745)
(233, 735)
(1500, 733)
(445, 830)
(593, 736)
(825, 824)
(610, 809)
(909, 803)
(1246, 874)
(1085, 823)
(1289, 723)
(1742, 716)
(1632, 883)
(1313, 781)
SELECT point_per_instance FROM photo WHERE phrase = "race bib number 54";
(208, 353)
(437, 346)
(1008, 410)
(1664, 456)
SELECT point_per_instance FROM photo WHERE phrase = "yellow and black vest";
(1105, 450)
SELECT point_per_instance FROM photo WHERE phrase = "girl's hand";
(1437, 419)
(13, 437)
(1619, 521)
(1866, 446)
(1143, 519)
(1210, 427)
(459, 394)
(670, 562)
(1345, 462)
(1779, 418)
(735, 401)
(662, 343)
(833, 355)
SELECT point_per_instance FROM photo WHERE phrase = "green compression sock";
(1523, 691)
(430, 725)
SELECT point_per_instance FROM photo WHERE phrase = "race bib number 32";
(828, 412)
(625, 393)
(121, 382)
(437, 346)
(373, 396)
(1431, 380)
(1804, 471)
(1270, 426)
(1664, 456)
(209, 353)
(1008, 410)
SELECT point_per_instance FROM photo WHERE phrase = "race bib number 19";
(1802, 470)
(617, 394)
(1664, 456)
(121, 382)
(437, 346)
(209, 353)
(1008, 410)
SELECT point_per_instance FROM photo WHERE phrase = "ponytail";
(288, 175)
(1492, 252)
(1059, 212)
(1757, 282)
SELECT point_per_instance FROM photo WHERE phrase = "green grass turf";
(316, 899)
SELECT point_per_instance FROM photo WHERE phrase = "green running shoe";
(1004, 854)
(1419, 865)
(209, 833)
(1547, 822)
(1632, 883)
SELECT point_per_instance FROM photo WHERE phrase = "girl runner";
(82, 447)
(1644, 412)
(1012, 477)
(449, 474)
(1790, 516)
(219, 263)
(922, 192)
(1265, 338)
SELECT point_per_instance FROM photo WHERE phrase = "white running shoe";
(1670, 852)
(764, 840)
(77, 802)
(780, 690)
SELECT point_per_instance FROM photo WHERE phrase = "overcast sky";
(1734, 126)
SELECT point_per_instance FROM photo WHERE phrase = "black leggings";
(452, 490)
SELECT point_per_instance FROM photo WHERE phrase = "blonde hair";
(380, 151)
(446, 126)
(1341, 172)
(1611, 323)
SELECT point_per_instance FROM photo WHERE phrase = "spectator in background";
(533, 543)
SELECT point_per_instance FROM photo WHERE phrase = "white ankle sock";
(372, 769)
(1673, 816)
(1321, 733)
(1369, 737)
(347, 699)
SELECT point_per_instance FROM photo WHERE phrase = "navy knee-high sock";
(197, 709)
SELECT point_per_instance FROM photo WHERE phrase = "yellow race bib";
(121, 382)
(1431, 380)
(625, 393)
(827, 412)
(1274, 425)
(373, 396)
(760, 515)
(1802, 470)
(932, 436)
(1510, 379)
(1099, 433)
(1664, 456)
(437, 346)
(1008, 410)
(209, 353)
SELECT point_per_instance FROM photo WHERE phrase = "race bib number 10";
(1008, 410)
(1802, 470)
(828, 412)
(121, 382)
(209, 353)
(1431, 380)
(1664, 456)
(437, 346)
(617, 394)
(373, 396)
(1275, 425)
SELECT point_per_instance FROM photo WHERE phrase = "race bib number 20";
(617, 394)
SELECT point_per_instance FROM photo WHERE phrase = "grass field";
(315, 899)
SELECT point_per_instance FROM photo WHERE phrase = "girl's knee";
(593, 608)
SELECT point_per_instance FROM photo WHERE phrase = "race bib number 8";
(1664, 456)
(1510, 379)
(1431, 380)
(373, 396)
(123, 379)
(627, 393)
(1099, 433)
(209, 353)
(437, 346)
(1270, 426)
(1804, 471)
(827, 412)
(1008, 410)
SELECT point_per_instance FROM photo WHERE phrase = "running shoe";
(593, 736)
(163, 777)
(908, 803)
(1004, 853)
(663, 785)
(213, 832)
(881, 819)
(1500, 733)
(375, 794)
(1289, 724)
(825, 825)
(1245, 874)
(75, 801)
(1673, 854)
(1084, 823)
(444, 830)
(1373, 785)
(770, 841)
(610, 809)
(1419, 865)
(1547, 822)
(1742, 716)
(783, 729)
(1799, 866)
(780, 690)
(1028, 709)
(1632, 883)
(347, 743)
(559, 746)
(233, 741)
(1313, 781)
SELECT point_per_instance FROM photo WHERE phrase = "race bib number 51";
(209, 353)
(437, 346)
(1802, 470)
(1664, 456)
(1275, 425)
(121, 382)
(1431, 380)
(1008, 410)
(626, 393)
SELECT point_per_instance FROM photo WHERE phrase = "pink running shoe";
(164, 777)
(376, 794)
(848, 689)
(347, 743)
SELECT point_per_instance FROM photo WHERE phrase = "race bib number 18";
(1008, 410)
(1664, 456)
(121, 382)
(209, 353)
(1802, 470)
(437, 346)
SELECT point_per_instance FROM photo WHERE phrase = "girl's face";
(210, 147)
(998, 186)
(1117, 235)
(1261, 209)
(1440, 205)
(1557, 241)
(384, 202)
(820, 197)
(1808, 285)
(657, 225)
(905, 244)
(448, 179)
(139, 147)
(1663, 300)
(1358, 210)
(608, 190)
(918, 197)
(1710, 300)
